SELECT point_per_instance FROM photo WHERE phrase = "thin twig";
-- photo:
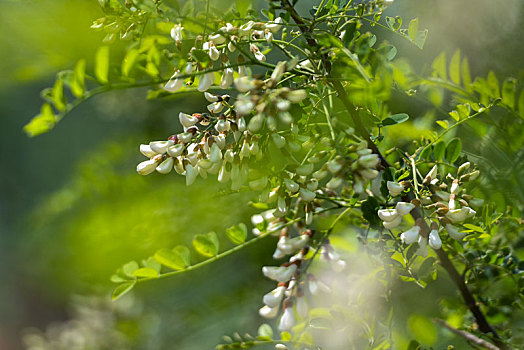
(466, 335)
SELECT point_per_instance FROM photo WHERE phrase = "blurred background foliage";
(72, 208)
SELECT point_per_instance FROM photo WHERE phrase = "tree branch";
(468, 336)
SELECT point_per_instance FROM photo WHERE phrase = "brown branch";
(360, 128)
(468, 336)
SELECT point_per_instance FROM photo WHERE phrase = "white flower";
(316, 286)
(185, 137)
(213, 52)
(268, 312)
(160, 146)
(218, 38)
(302, 306)
(220, 140)
(368, 174)
(392, 224)
(273, 298)
(227, 78)
(459, 215)
(187, 120)
(287, 321)
(174, 83)
(394, 188)
(388, 214)
(333, 166)
(215, 107)
(246, 29)
(211, 97)
(423, 246)
(191, 174)
(410, 236)
(166, 166)
(403, 208)
(176, 33)
(454, 233)
(275, 25)
(222, 125)
(147, 151)
(281, 347)
(434, 239)
(244, 84)
(205, 82)
(279, 273)
(148, 166)
(369, 160)
(268, 35)
(432, 175)
(279, 71)
(175, 150)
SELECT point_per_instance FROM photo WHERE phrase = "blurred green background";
(73, 209)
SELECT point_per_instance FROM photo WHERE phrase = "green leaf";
(206, 244)
(454, 68)
(265, 332)
(453, 149)
(413, 29)
(78, 79)
(439, 66)
(57, 95)
(463, 110)
(237, 234)
(146, 272)
(170, 258)
(200, 56)
(439, 150)
(369, 209)
(466, 75)
(421, 38)
(122, 289)
(443, 123)
(474, 228)
(184, 253)
(395, 119)
(455, 115)
(394, 22)
(285, 336)
(130, 268)
(508, 92)
(493, 84)
(129, 61)
(102, 64)
(41, 123)
(422, 329)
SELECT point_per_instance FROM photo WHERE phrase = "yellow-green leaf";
(413, 29)
(102, 64)
(422, 329)
(129, 61)
(58, 95)
(443, 123)
(237, 234)
(41, 123)
(130, 268)
(466, 75)
(493, 84)
(454, 68)
(439, 66)
(508, 92)
(170, 258)
(521, 104)
(78, 79)
(146, 272)
(206, 244)
(122, 289)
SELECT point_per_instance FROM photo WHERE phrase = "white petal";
(388, 214)
(434, 240)
(410, 236)
(166, 166)
(404, 208)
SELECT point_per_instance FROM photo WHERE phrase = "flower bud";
(369, 161)
(273, 298)
(187, 120)
(296, 96)
(217, 38)
(227, 78)
(191, 174)
(291, 185)
(279, 273)
(244, 84)
(392, 224)
(307, 195)
(434, 239)
(423, 246)
(278, 140)
(275, 25)
(305, 169)
(205, 82)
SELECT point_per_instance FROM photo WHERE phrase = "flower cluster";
(293, 283)
(447, 201)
